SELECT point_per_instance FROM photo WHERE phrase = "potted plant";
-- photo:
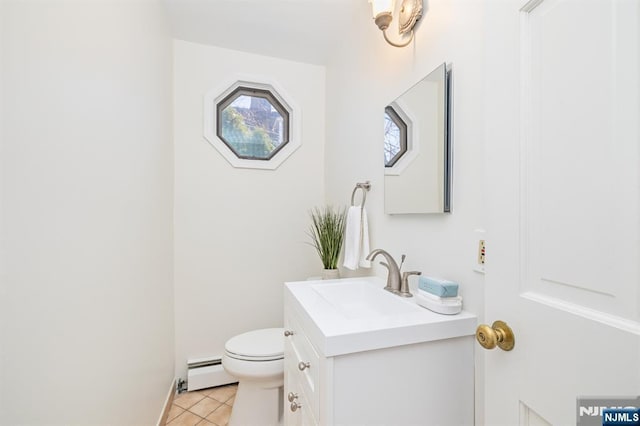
(327, 235)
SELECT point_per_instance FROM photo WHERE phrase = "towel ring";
(365, 187)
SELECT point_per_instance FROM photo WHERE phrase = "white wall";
(3, 278)
(239, 233)
(365, 75)
(87, 321)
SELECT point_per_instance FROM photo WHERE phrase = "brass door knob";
(499, 334)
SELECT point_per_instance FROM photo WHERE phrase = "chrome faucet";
(396, 283)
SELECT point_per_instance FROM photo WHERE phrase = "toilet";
(256, 359)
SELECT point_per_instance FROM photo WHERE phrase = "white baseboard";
(167, 404)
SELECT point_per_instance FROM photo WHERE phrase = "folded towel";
(356, 239)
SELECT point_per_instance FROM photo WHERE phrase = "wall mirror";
(417, 147)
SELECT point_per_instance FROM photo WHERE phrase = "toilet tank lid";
(266, 342)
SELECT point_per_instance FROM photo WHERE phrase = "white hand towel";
(364, 235)
(356, 246)
(352, 238)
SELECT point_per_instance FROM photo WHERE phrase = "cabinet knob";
(303, 365)
(291, 396)
(294, 406)
(288, 333)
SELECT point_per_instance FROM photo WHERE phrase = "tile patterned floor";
(203, 407)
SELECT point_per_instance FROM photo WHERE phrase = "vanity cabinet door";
(301, 368)
(298, 411)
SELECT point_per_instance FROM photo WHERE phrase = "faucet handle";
(404, 285)
(386, 265)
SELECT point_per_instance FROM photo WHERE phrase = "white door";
(563, 195)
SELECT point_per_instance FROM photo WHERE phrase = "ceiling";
(298, 30)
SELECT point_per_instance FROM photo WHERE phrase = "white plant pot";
(330, 274)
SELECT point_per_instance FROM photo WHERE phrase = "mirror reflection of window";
(395, 137)
(418, 180)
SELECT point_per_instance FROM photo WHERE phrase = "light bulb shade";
(382, 6)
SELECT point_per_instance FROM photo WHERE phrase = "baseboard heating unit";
(207, 372)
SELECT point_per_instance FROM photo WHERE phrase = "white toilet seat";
(257, 345)
(252, 358)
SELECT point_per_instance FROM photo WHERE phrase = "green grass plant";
(327, 234)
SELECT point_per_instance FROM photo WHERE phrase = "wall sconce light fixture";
(410, 13)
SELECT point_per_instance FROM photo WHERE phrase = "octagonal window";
(395, 137)
(252, 123)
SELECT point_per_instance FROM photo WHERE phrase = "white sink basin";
(356, 314)
(361, 299)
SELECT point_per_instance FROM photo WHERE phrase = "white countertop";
(335, 330)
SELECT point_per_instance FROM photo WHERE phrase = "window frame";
(210, 122)
(258, 93)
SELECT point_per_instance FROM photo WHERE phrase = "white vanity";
(356, 354)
